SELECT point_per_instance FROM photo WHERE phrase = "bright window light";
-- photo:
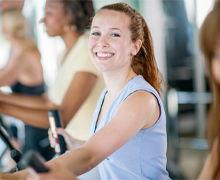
(203, 8)
(190, 10)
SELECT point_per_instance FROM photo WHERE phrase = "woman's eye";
(115, 35)
(48, 13)
(95, 33)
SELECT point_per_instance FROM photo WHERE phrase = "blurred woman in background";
(210, 44)
(24, 73)
(78, 83)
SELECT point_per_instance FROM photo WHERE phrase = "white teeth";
(104, 54)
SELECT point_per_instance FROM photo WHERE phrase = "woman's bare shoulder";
(145, 97)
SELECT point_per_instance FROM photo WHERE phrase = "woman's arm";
(211, 163)
(78, 91)
(71, 142)
(15, 176)
(27, 101)
(33, 117)
(56, 171)
(126, 123)
(10, 73)
(207, 171)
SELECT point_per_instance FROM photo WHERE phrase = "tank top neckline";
(112, 102)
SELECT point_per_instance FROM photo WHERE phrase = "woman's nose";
(42, 20)
(103, 42)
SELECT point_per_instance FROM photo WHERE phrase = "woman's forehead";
(111, 17)
(55, 4)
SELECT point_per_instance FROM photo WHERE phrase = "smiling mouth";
(104, 55)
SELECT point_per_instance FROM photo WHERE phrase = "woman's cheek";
(90, 44)
(215, 65)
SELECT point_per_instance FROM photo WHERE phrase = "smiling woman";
(78, 84)
(128, 133)
(108, 44)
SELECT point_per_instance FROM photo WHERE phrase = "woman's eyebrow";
(115, 29)
(94, 27)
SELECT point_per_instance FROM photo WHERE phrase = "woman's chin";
(51, 34)
(102, 69)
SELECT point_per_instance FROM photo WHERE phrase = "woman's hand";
(4, 176)
(71, 142)
(56, 171)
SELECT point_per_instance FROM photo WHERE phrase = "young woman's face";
(55, 18)
(110, 45)
(215, 62)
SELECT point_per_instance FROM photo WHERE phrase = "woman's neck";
(70, 38)
(115, 82)
(15, 43)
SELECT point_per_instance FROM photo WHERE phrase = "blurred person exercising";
(24, 73)
(78, 83)
(5, 4)
(128, 133)
(210, 44)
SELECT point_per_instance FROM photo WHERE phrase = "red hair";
(143, 62)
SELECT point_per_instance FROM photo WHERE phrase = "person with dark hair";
(24, 73)
(210, 44)
(78, 83)
(128, 133)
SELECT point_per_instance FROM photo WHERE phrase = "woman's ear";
(136, 47)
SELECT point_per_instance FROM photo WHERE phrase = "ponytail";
(143, 62)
